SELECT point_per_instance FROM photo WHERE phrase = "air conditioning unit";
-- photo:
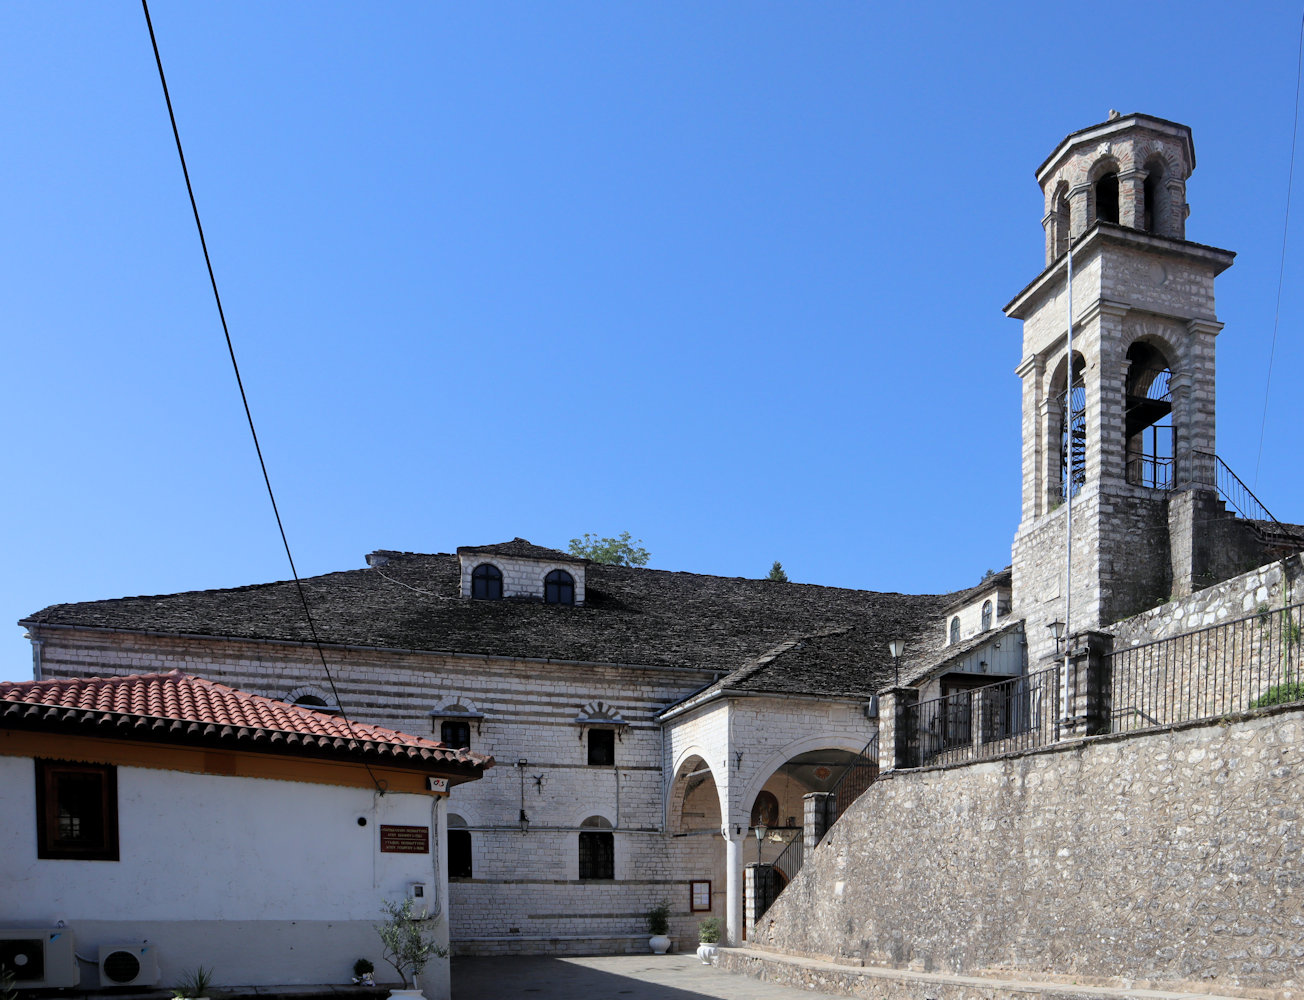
(43, 958)
(133, 964)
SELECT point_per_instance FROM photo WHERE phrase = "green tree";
(618, 551)
(777, 574)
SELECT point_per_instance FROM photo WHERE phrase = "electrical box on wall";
(422, 899)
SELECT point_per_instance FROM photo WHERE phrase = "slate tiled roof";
(522, 549)
(631, 616)
(181, 708)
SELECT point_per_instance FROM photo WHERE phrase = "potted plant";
(362, 970)
(193, 984)
(405, 945)
(658, 922)
(708, 936)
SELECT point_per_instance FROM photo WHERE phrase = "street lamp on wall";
(1057, 629)
(896, 647)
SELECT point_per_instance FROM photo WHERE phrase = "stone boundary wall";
(1275, 584)
(1173, 856)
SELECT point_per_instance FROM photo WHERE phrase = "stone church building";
(656, 732)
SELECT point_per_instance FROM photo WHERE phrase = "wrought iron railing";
(1016, 714)
(792, 857)
(859, 774)
(1211, 672)
(1239, 497)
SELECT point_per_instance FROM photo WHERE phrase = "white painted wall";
(271, 882)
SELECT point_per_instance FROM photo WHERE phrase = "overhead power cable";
(1285, 229)
(230, 348)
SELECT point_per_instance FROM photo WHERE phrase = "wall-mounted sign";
(404, 839)
(437, 784)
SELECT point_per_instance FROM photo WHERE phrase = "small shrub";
(1264, 612)
(1281, 694)
(708, 930)
(363, 968)
(194, 982)
(658, 919)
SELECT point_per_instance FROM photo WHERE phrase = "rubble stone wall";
(1170, 856)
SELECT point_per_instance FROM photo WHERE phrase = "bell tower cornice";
(1106, 234)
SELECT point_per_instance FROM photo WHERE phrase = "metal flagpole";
(1068, 490)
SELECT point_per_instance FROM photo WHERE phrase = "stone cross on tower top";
(1130, 170)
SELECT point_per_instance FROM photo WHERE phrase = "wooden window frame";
(464, 724)
(48, 845)
(694, 886)
(595, 846)
(486, 582)
(559, 588)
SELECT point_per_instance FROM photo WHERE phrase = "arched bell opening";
(1155, 210)
(1069, 434)
(1148, 409)
(1106, 197)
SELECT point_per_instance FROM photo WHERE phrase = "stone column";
(1132, 198)
(733, 885)
(893, 740)
(759, 879)
(815, 819)
(1089, 689)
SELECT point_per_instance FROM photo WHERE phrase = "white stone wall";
(270, 882)
(971, 614)
(523, 881)
(521, 577)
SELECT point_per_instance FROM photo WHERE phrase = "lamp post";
(896, 647)
(1057, 629)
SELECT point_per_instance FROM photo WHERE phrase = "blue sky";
(727, 276)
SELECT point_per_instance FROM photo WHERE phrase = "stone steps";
(822, 976)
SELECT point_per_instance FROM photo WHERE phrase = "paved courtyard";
(607, 977)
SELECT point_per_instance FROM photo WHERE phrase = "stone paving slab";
(607, 977)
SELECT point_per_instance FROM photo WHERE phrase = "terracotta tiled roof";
(182, 708)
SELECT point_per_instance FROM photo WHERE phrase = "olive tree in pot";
(658, 922)
(405, 945)
(708, 934)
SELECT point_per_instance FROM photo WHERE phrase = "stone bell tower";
(1141, 377)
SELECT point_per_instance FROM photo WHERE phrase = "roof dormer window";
(487, 583)
(558, 588)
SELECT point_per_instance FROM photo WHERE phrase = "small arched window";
(987, 615)
(487, 583)
(597, 849)
(955, 629)
(558, 588)
(459, 848)
(1107, 198)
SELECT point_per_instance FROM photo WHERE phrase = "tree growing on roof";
(777, 574)
(618, 551)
